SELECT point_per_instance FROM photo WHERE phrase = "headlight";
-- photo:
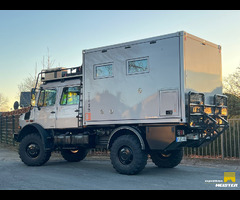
(221, 105)
(224, 112)
(219, 121)
(196, 109)
(209, 110)
(33, 102)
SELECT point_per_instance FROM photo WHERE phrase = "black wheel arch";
(36, 128)
(127, 130)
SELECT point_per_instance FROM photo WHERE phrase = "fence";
(8, 125)
(225, 146)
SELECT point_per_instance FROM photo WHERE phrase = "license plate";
(181, 139)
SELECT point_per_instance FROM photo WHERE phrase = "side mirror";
(33, 91)
(15, 105)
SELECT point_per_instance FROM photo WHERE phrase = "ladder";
(80, 105)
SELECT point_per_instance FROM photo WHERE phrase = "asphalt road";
(98, 174)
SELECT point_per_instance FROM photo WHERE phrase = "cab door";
(45, 113)
(67, 109)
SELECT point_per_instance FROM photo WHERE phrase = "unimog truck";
(146, 97)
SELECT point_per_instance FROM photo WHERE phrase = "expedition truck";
(147, 97)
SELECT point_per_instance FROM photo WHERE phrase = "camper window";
(138, 65)
(103, 71)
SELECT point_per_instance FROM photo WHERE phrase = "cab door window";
(70, 95)
(47, 97)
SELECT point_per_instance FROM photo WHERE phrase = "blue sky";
(26, 35)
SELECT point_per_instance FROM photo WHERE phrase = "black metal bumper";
(202, 137)
(205, 122)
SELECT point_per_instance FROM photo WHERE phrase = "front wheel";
(32, 151)
(126, 155)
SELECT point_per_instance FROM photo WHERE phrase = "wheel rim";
(74, 151)
(33, 150)
(165, 155)
(125, 155)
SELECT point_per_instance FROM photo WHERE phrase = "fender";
(116, 132)
(36, 128)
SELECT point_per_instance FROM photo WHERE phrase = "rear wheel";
(32, 151)
(167, 159)
(126, 155)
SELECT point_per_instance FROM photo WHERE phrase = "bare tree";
(231, 88)
(3, 103)
(28, 83)
(231, 84)
(47, 63)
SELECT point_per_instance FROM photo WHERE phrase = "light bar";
(197, 98)
(220, 100)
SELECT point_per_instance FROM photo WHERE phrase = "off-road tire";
(74, 155)
(167, 159)
(26, 150)
(126, 155)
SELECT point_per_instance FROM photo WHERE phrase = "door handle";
(52, 112)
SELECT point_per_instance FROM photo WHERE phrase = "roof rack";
(60, 73)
